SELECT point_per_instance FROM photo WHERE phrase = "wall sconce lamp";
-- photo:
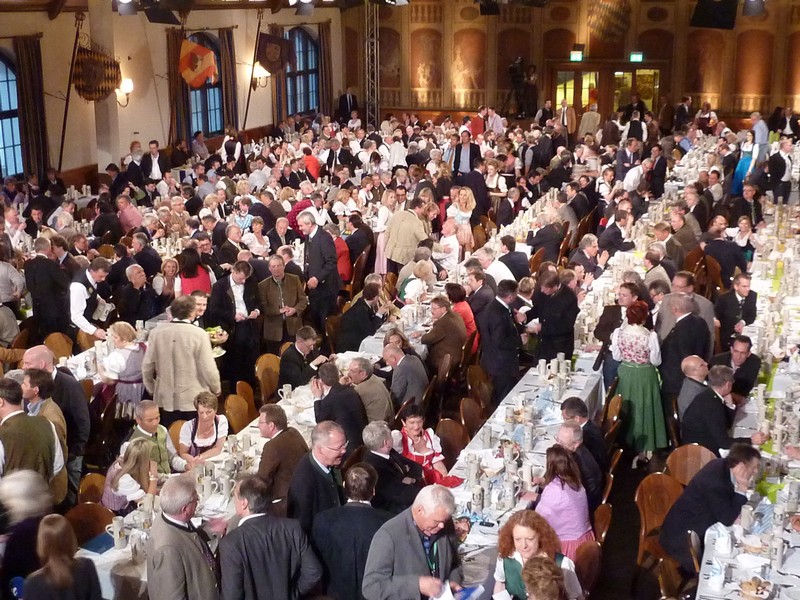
(260, 77)
(125, 88)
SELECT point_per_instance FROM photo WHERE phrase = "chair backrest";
(693, 257)
(88, 388)
(615, 457)
(610, 436)
(332, 324)
(267, 370)
(471, 415)
(610, 393)
(236, 412)
(85, 341)
(245, 390)
(428, 395)
(714, 271)
(695, 549)
(358, 272)
(126, 240)
(356, 457)
(20, 341)
(59, 344)
(285, 346)
(391, 279)
(685, 461)
(106, 251)
(467, 355)
(445, 368)
(91, 487)
(654, 497)
(346, 306)
(398, 424)
(175, 433)
(602, 521)
(476, 374)
(88, 520)
(588, 562)
(612, 412)
(535, 261)
(454, 438)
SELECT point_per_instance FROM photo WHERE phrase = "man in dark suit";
(466, 153)
(697, 207)
(119, 181)
(570, 436)
(280, 455)
(475, 180)
(48, 286)
(780, 171)
(339, 156)
(154, 164)
(447, 335)
(409, 378)
(215, 230)
(145, 256)
(734, 309)
(556, 307)
(627, 158)
(588, 255)
(658, 173)
(361, 320)
(682, 115)
(500, 341)
(682, 341)
(265, 556)
(300, 361)
(234, 306)
(338, 403)
(136, 300)
(578, 200)
(347, 104)
(399, 478)
(675, 250)
(232, 245)
(480, 295)
(612, 240)
(548, 236)
(316, 482)
(747, 206)
(716, 494)
(281, 235)
(574, 410)
(728, 254)
(506, 208)
(706, 420)
(744, 363)
(517, 262)
(321, 274)
(342, 536)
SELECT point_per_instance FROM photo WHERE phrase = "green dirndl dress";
(640, 387)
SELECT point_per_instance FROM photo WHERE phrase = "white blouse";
(397, 444)
(185, 436)
(252, 243)
(384, 214)
(127, 486)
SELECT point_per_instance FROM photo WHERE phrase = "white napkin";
(723, 544)
(306, 417)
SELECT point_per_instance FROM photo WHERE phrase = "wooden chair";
(236, 412)
(244, 390)
(20, 341)
(426, 402)
(602, 521)
(612, 413)
(357, 283)
(685, 461)
(332, 324)
(267, 370)
(674, 424)
(285, 346)
(391, 279)
(563, 252)
(535, 261)
(28, 323)
(610, 475)
(88, 520)
(346, 306)
(654, 497)
(588, 562)
(479, 237)
(610, 437)
(356, 457)
(715, 283)
(454, 438)
(471, 415)
(693, 257)
(106, 251)
(398, 424)
(85, 341)
(126, 240)
(59, 344)
(610, 393)
(91, 487)
(88, 389)
(175, 433)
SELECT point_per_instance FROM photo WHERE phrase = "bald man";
(70, 398)
(695, 371)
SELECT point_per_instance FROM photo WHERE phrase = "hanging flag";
(197, 64)
(96, 75)
(274, 52)
(609, 19)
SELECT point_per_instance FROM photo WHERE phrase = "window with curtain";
(302, 82)
(205, 103)
(10, 139)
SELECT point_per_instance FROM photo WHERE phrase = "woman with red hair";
(639, 384)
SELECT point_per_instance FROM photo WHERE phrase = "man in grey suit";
(180, 565)
(265, 556)
(409, 378)
(683, 283)
(410, 556)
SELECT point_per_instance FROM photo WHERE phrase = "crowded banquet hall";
(513, 282)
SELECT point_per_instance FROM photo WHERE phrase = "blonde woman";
(121, 370)
(414, 288)
(385, 212)
(461, 210)
(205, 435)
(164, 282)
(344, 204)
(130, 478)
(495, 182)
(287, 198)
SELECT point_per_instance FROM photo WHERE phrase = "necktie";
(430, 554)
(206, 551)
(563, 116)
(741, 309)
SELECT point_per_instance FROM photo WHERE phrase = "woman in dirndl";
(205, 435)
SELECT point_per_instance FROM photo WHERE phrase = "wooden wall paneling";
(752, 71)
(703, 73)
